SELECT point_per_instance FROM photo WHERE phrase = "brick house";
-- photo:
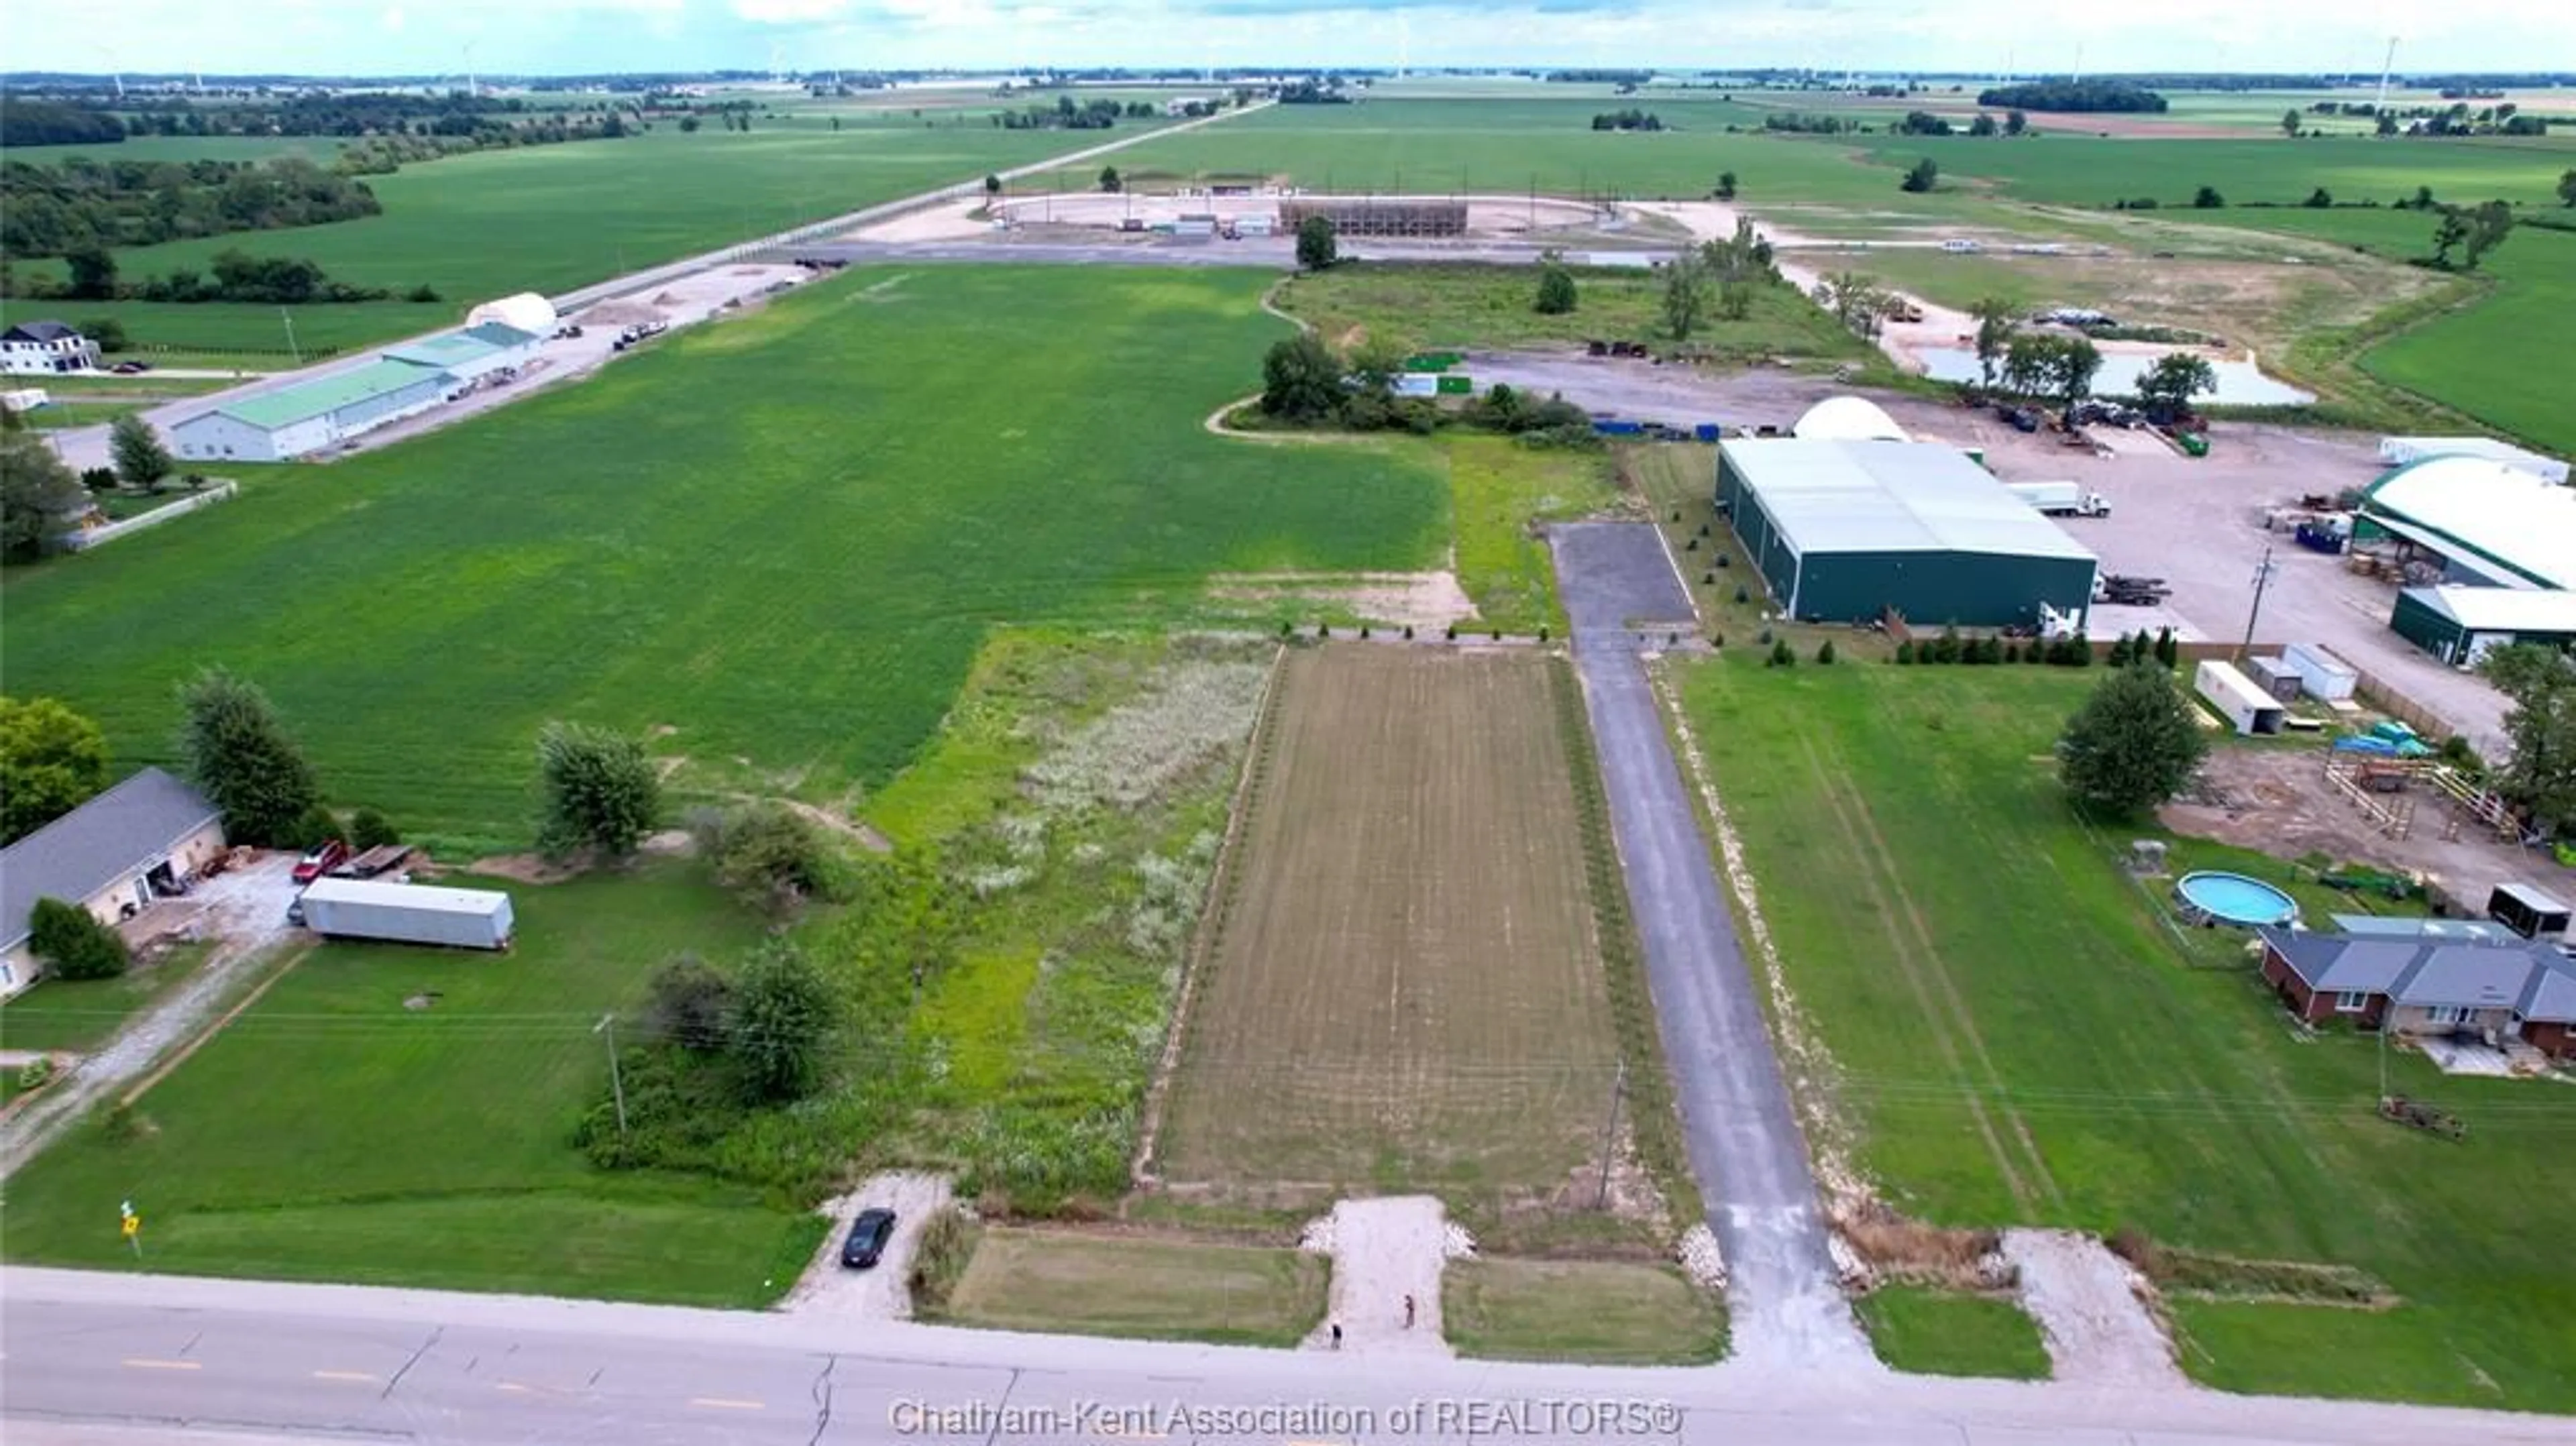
(2519, 990)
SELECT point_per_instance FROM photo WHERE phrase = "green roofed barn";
(1845, 530)
(2461, 625)
(310, 416)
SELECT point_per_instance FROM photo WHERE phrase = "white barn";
(311, 416)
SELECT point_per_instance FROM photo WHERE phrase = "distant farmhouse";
(42, 348)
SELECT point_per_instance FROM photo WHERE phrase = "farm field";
(1490, 307)
(246, 1166)
(2075, 170)
(1402, 998)
(547, 561)
(551, 218)
(2027, 1045)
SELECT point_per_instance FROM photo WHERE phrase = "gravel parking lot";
(2195, 522)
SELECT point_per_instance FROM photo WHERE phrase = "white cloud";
(789, 12)
(392, 19)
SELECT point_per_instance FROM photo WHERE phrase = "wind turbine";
(469, 68)
(2386, 64)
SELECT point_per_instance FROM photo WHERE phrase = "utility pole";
(284, 316)
(2262, 579)
(1610, 1134)
(607, 1027)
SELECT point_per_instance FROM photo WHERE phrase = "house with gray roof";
(2518, 989)
(112, 856)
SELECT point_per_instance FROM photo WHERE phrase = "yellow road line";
(725, 1403)
(143, 1363)
(344, 1376)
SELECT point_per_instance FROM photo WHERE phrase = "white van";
(1960, 246)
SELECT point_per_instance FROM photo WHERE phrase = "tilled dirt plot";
(1407, 988)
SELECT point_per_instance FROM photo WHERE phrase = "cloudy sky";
(560, 36)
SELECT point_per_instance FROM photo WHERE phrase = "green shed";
(2460, 625)
(1847, 530)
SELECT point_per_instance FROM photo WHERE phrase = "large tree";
(2489, 223)
(1301, 379)
(93, 273)
(2567, 187)
(781, 1021)
(1855, 299)
(2060, 368)
(1926, 173)
(141, 460)
(52, 760)
(1685, 293)
(2133, 744)
(72, 942)
(2541, 684)
(1556, 295)
(2448, 233)
(39, 496)
(2175, 379)
(238, 753)
(1996, 323)
(1318, 245)
(601, 791)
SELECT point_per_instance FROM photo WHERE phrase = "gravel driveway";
(2086, 1302)
(1383, 1251)
(245, 912)
(879, 1293)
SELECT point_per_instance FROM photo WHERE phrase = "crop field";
(1402, 997)
(403, 1117)
(2077, 170)
(793, 578)
(551, 218)
(2026, 1044)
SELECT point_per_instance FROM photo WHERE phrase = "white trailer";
(2060, 499)
(407, 913)
(2322, 675)
(2238, 699)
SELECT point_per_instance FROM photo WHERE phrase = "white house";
(36, 348)
(112, 856)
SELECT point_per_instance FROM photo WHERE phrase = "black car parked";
(869, 1235)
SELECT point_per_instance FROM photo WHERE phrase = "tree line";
(1064, 115)
(2077, 96)
(1628, 120)
(80, 202)
(30, 122)
(238, 277)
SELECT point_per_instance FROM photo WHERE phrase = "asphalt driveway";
(1738, 1126)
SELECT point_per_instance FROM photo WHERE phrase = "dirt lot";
(1407, 992)
(2277, 800)
(880, 1292)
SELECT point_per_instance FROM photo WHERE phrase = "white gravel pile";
(1318, 1236)
(1456, 1243)
(1701, 1260)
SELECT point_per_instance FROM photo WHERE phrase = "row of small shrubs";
(1325, 630)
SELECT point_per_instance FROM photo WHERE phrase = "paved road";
(1275, 251)
(1785, 1305)
(83, 447)
(108, 1360)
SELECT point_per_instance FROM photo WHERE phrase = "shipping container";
(2238, 699)
(407, 913)
(1610, 428)
(2321, 673)
(2274, 676)
(1417, 385)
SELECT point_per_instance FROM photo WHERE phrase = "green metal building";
(2460, 625)
(1848, 530)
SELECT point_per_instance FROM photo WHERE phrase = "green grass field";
(2075, 170)
(551, 218)
(1118, 1286)
(1594, 1311)
(1937, 1333)
(2025, 1043)
(333, 1132)
(77, 1013)
(792, 576)
(1499, 488)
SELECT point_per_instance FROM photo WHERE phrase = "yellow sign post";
(132, 1226)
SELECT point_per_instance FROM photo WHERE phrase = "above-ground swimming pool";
(2211, 898)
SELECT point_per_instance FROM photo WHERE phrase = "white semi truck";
(405, 913)
(2061, 499)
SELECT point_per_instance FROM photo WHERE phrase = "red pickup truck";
(320, 861)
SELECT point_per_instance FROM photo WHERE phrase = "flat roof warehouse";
(1880, 496)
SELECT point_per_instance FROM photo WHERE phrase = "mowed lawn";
(398, 1116)
(2017, 1041)
(1407, 992)
(552, 218)
(782, 538)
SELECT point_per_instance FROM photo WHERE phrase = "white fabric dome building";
(526, 311)
(1847, 419)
